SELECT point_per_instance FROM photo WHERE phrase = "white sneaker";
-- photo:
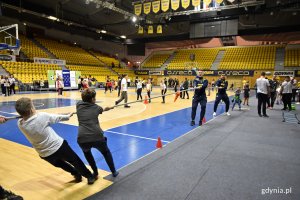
(214, 114)
(228, 114)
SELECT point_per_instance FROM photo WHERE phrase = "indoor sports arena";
(150, 99)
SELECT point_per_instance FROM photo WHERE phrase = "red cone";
(146, 100)
(203, 120)
(176, 96)
(158, 144)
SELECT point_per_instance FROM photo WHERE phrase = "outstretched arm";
(2, 119)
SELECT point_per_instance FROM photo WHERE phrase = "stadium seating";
(156, 61)
(246, 58)
(28, 72)
(72, 54)
(106, 59)
(292, 58)
(99, 73)
(203, 59)
(30, 49)
(129, 72)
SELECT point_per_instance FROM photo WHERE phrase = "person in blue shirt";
(200, 84)
(221, 85)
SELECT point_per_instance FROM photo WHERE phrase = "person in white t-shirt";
(286, 91)
(7, 86)
(163, 89)
(36, 127)
(139, 90)
(124, 89)
(263, 90)
(148, 88)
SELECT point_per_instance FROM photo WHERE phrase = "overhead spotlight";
(294, 13)
(123, 36)
(246, 9)
(75, 43)
(103, 31)
(134, 19)
(87, 2)
(24, 24)
(53, 18)
(271, 13)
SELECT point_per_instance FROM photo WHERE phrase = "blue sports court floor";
(127, 143)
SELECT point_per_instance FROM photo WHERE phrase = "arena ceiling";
(84, 17)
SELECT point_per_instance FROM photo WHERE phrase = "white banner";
(284, 73)
(73, 79)
(49, 61)
(155, 73)
(10, 58)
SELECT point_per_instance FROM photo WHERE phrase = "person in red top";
(109, 84)
(85, 84)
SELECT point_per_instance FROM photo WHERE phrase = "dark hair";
(263, 73)
(23, 106)
(88, 95)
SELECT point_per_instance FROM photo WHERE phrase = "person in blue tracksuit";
(221, 85)
(200, 84)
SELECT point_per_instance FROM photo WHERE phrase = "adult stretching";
(263, 90)
(200, 85)
(90, 134)
(124, 89)
(221, 85)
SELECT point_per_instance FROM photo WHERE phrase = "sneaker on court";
(200, 123)
(91, 180)
(116, 103)
(192, 123)
(95, 176)
(126, 106)
(214, 114)
(115, 174)
(78, 178)
(228, 114)
(265, 115)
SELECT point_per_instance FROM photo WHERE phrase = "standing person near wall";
(294, 88)
(263, 90)
(2, 80)
(286, 91)
(139, 88)
(59, 85)
(119, 86)
(124, 89)
(12, 81)
(185, 87)
(6, 86)
(148, 88)
(163, 88)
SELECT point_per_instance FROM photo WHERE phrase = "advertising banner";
(49, 61)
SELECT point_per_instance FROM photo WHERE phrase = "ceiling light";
(123, 36)
(75, 43)
(24, 24)
(103, 31)
(87, 1)
(134, 19)
(53, 18)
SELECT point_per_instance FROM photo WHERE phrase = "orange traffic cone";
(158, 144)
(146, 100)
(203, 120)
(176, 96)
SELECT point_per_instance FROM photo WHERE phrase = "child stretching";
(50, 146)
(90, 134)
(237, 98)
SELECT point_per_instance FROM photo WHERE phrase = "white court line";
(7, 113)
(171, 141)
(136, 136)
